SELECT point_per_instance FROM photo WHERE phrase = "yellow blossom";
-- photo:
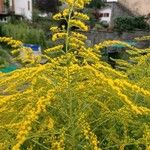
(79, 24)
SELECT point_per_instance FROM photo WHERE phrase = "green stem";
(71, 121)
(68, 28)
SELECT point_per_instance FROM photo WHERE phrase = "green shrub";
(4, 58)
(23, 32)
(130, 23)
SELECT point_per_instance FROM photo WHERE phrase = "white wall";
(103, 11)
(21, 8)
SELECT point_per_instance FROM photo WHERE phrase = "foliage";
(23, 54)
(130, 23)
(144, 38)
(6, 3)
(47, 5)
(140, 59)
(42, 23)
(4, 58)
(23, 32)
(35, 14)
(96, 4)
(74, 102)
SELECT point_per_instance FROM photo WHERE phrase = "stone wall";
(95, 37)
(118, 11)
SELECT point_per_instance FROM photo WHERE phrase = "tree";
(47, 5)
(96, 4)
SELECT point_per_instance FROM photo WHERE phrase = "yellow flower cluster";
(144, 38)
(71, 40)
(65, 13)
(108, 69)
(50, 123)
(90, 136)
(71, 88)
(114, 42)
(78, 36)
(79, 24)
(72, 75)
(118, 90)
(55, 48)
(76, 41)
(54, 29)
(57, 36)
(81, 3)
(78, 15)
(11, 42)
(70, 2)
(88, 55)
(57, 16)
(73, 45)
(134, 87)
(26, 55)
(59, 142)
(33, 115)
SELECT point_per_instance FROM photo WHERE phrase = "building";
(105, 15)
(111, 11)
(2, 11)
(20, 8)
(1, 6)
(138, 7)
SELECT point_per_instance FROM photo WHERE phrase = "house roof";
(110, 3)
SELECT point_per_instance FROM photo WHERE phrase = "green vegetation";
(75, 101)
(130, 23)
(4, 58)
(25, 33)
(96, 4)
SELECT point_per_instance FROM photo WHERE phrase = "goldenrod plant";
(23, 55)
(143, 38)
(75, 101)
(137, 57)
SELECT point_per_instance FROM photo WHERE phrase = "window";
(28, 5)
(101, 15)
(106, 14)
